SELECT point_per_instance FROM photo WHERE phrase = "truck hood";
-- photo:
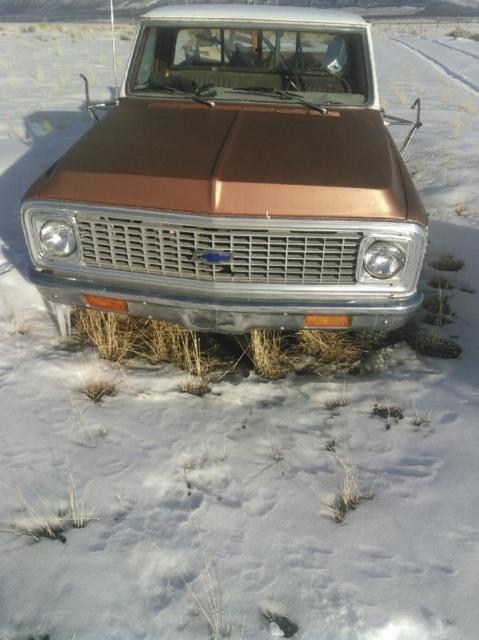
(252, 160)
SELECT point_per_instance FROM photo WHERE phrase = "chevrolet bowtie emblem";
(210, 256)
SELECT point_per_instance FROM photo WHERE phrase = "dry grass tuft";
(349, 494)
(281, 624)
(118, 337)
(332, 347)
(439, 308)
(112, 334)
(97, 387)
(420, 419)
(388, 412)
(40, 519)
(267, 354)
(277, 454)
(78, 515)
(188, 355)
(15, 326)
(337, 401)
(460, 207)
(208, 601)
(196, 386)
(155, 340)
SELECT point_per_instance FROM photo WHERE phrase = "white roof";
(252, 13)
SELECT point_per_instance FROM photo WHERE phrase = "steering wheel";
(327, 72)
(294, 80)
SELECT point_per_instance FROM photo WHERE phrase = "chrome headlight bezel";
(412, 243)
(34, 220)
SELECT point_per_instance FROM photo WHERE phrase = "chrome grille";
(258, 255)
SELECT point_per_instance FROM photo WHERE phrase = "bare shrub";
(440, 282)
(267, 355)
(459, 32)
(429, 343)
(447, 262)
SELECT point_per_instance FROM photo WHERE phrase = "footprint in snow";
(414, 467)
(375, 553)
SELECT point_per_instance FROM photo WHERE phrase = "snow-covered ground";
(215, 505)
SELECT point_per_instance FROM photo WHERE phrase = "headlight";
(384, 260)
(58, 238)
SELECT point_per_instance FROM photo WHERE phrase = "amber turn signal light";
(106, 304)
(317, 321)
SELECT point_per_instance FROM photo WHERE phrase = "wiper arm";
(283, 95)
(199, 95)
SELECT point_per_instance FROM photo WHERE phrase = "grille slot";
(291, 256)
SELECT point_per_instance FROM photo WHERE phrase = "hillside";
(98, 9)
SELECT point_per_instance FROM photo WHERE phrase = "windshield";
(323, 65)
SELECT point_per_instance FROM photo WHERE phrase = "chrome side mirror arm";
(393, 120)
(90, 106)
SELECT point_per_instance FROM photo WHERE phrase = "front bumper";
(234, 316)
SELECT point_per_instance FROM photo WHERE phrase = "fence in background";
(439, 26)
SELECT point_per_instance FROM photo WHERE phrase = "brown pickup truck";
(245, 178)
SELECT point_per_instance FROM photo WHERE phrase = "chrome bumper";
(235, 316)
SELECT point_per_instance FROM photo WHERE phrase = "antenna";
(113, 44)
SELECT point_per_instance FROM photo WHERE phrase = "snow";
(194, 514)
(457, 63)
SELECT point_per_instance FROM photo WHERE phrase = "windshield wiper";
(285, 95)
(198, 95)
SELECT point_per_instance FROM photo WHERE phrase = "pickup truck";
(245, 178)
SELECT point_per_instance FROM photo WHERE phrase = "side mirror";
(93, 107)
